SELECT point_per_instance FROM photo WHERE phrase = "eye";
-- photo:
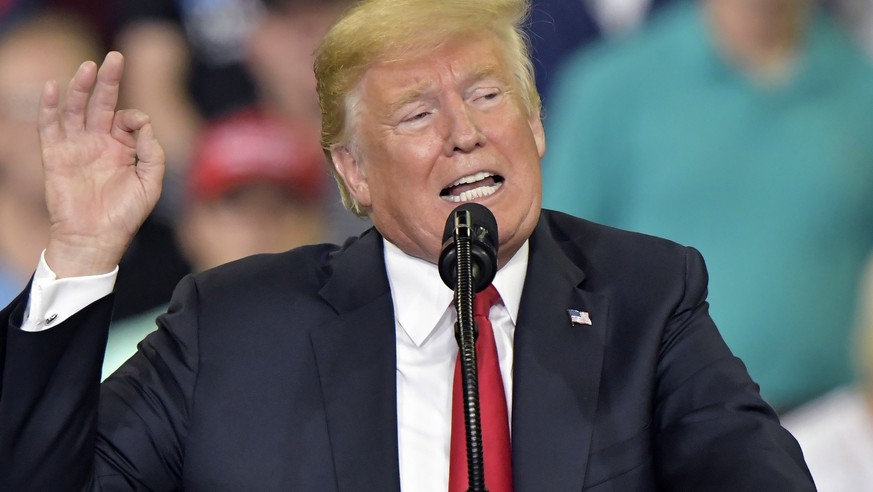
(417, 116)
(416, 120)
(486, 95)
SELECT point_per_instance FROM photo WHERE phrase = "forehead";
(454, 64)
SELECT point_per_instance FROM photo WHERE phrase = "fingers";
(133, 128)
(101, 107)
(150, 155)
(148, 150)
(76, 100)
(47, 117)
(129, 120)
(90, 99)
(125, 123)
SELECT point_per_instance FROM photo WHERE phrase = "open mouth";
(471, 187)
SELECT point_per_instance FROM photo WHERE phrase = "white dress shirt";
(426, 348)
(52, 301)
(426, 353)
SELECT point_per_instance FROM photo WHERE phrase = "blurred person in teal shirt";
(743, 128)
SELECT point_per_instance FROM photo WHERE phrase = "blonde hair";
(381, 30)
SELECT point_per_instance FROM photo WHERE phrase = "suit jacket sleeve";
(50, 437)
(712, 430)
(48, 398)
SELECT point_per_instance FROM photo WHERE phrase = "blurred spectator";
(740, 127)
(858, 15)
(193, 45)
(33, 50)
(556, 28)
(12, 11)
(184, 62)
(51, 45)
(256, 185)
(280, 56)
(100, 14)
(836, 430)
(190, 60)
(559, 27)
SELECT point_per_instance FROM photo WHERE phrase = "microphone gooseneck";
(469, 255)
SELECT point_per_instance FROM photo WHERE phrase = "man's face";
(441, 129)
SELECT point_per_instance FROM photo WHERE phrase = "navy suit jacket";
(277, 372)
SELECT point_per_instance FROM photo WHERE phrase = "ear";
(539, 134)
(353, 174)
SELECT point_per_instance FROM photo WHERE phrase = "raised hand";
(103, 170)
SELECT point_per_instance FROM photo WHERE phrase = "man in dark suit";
(330, 368)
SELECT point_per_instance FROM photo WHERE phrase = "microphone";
(467, 264)
(476, 222)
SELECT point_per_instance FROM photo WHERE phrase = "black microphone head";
(480, 217)
(483, 249)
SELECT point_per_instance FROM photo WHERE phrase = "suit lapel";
(356, 359)
(556, 371)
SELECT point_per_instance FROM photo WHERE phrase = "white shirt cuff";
(52, 301)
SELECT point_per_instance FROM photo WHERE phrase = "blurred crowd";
(739, 127)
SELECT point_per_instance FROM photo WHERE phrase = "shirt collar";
(421, 298)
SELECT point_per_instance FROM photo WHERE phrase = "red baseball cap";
(249, 147)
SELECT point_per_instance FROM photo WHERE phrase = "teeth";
(471, 179)
(475, 193)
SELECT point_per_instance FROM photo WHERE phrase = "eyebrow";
(487, 71)
(410, 95)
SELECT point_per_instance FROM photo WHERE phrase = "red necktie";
(496, 445)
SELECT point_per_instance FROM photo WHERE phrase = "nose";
(464, 134)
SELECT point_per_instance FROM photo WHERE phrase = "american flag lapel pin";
(579, 317)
